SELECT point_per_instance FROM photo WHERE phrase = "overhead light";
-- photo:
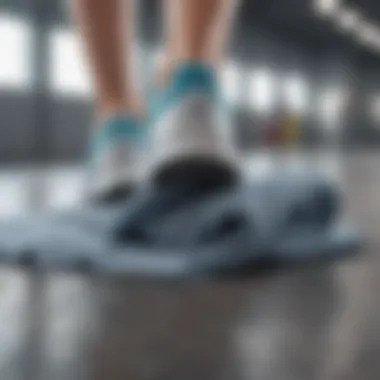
(327, 7)
(368, 34)
(348, 19)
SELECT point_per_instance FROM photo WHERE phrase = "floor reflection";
(320, 323)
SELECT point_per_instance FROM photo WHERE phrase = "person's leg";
(105, 28)
(106, 33)
(190, 131)
(197, 31)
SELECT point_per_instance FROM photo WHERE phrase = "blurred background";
(313, 64)
(301, 74)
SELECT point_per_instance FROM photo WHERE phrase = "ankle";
(167, 66)
(163, 71)
(108, 109)
(134, 107)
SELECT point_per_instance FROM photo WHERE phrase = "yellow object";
(291, 130)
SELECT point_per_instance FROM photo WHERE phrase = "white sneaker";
(114, 159)
(190, 134)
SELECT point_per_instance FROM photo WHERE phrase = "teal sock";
(186, 78)
(116, 128)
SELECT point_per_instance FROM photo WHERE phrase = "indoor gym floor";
(317, 323)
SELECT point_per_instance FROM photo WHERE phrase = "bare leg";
(107, 39)
(196, 30)
(105, 28)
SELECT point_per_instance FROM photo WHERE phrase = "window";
(331, 107)
(15, 43)
(296, 94)
(13, 194)
(68, 73)
(231, 79)
(261, 91)
(327, 7)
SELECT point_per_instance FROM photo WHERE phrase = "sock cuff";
(186, 78)
(194, 75)
(119, 127)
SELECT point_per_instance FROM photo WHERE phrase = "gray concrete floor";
(316, 323)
